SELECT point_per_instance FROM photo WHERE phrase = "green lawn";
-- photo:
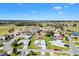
(47, 54)
(72, 28)
(2, 51)
(65, 41)
(47, 39)
(1, 43)
(77, 43)
(4, 29)
(19, 47)
(32, 46)
(49, 46)
(61, 54)
(60, 48)
(15, 45)
(34, 54)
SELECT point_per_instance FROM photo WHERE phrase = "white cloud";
(57, 8)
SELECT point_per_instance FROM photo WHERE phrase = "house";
(26, 36)
(33, 30)
(14, 33)
(25, 43)
(58, 36)
(39, 35)
(1, 38)
(40, 43)
(7, 37)
(58, 43)
(43, 52)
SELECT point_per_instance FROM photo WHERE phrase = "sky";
(39, 11)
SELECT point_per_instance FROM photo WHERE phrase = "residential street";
(7, 46)
(74, 49)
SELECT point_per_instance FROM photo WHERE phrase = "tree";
(31, 53)
(74, 25)
(11, 30)
(40, 25)
(50, 33)
(14, 50)
(14, 44)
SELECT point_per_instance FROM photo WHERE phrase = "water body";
(75, 33)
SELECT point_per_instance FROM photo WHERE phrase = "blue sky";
(39, 11)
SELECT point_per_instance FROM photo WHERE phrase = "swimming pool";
(75, 33)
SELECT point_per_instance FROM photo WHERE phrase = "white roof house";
(58, 43)
(25, 36)
(40, 43)
(14, 33)
(42, 52)
(25, 43)
(0, 37)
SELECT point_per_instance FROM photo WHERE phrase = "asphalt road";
(24, 51)
(7, 45)
(73, 49)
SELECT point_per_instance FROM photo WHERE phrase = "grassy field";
(2, 51)
(4, 29)
(32, 45)
(72, 28)
(61, 54)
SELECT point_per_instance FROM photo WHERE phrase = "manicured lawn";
(72, 28)
(49, 46)
(1, 43)
(15, 45)
(34, 54)
(59, 48)
(77, 43)
(47, 54)
(75, 39)
(2, 51)
(14, 54)
(58, 54)
(65, 41)
(19, 47)
(47, 39)
(32, 46)
(61, 54)
(4, 29)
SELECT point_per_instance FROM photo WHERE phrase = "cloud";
(57, 8)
